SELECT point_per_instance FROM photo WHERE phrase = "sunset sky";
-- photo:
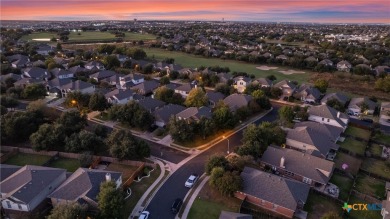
(335, 11)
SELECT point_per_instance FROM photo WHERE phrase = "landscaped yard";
(379, 167)
(69, 164)
(382, 138)
(362, 214)
(352, 162)
(210, 203)
(22, 159)
(358, 132)
(126, 170)
(370, 186)
(344, 183)
(137, 190)
(317, 205)
(376, 150)
(353, 145)
(189, 60)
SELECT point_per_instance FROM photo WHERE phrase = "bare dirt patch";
(266, 68)
(290, 72)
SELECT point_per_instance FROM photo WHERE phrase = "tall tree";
(34, 91)
(111, 62)
(72, 122)
(83, 141)
(224, 118)
(110, 200)
(216, 161)
(48, 137)
(123, 145)
(98, 102)
(197, 98)
(72, 210)
(286, 114)
(181, 130)
(321, 85)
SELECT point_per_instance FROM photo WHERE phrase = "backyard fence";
(357, 125)
(130, 180)
(365, 197)
(373, 175)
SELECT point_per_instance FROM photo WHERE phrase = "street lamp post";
(228, 151)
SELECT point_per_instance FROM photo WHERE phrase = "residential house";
(94, 65)
(54, 86)
(263, 82)
(7, 170)
(122, 58)
(268, 55)
(235, 101)
(326, 62)
(44, 49)
(163, 114)
(327, 115)
(28, 187)
(311, 141)
(337, 96)
(281, 57)
(299, 166)
(344, 66)
(186, 71)
(36, 73)
(363, 105)
(14, 77)
(241, 82)
(119, 96)
(77, 69)
(194, 114)
(130, 80)
(214, 97)
(224, 77)
(385, 211)
(276, 194)
(61, 73)
(113, 81)
(98, 76)
(185, 89)
(81, 86)
(83, 186)
(146, 88)
(287, 87)
(333, 132)
(27, 81)
(308, 93)
(150, 104)
(383, 69)
(18, 61)
(385, 108)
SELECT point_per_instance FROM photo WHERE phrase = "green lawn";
(317, 205)
(362, 214)
(40, 35)
(206, 209)
(189, 60)
(353, 162)
(380, 167)
(382, 138)
(355, 146)
(90, 36)
(344, 183)
(376, 149)
(358, 132)
(370, 186)
(138, 36)
(22, 159)
(138, 189)
(69, 164)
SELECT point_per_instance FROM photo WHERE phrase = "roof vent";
(282, 161)
(108, 177)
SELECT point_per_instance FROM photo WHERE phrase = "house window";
(323, 119)
(328, 120)
(241, 83)
(8, 204)
(20, 207)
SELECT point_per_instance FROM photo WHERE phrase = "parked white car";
(191, 180)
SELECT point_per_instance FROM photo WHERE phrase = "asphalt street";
(173, 188)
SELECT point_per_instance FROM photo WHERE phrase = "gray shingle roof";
(327, 112)
(214, 96)
(185, 87)
(102, 74)
(119, 94)
(332, 131)
(310, 136)
(263, 81)
(36, 72)
(58, 72)
(338, 96)
(281, 191)
(358, 101)
(29, 181)
(10, 75)
(146, 87)
(83, 182)
(165, 112)
(195, 113)
(58, 82)
(285, 83)
(235, 101)
(76, 69)
(150, 104)
(7, 170)
(77, 85)
(306, 165)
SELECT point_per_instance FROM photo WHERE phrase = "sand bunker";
(266, 68)
(41, 39)
(290, 72)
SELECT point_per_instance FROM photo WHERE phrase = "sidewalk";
(138, 207)
(192, 198)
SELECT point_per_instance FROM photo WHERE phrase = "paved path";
(193, 197)
(139, 207)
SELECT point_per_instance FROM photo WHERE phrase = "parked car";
(176, 205)
(191, 180)
(144, 215)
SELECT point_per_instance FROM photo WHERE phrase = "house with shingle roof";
(15, 77)
(61, 73)
(241, 82)
(54, 86)
(146, 88)
(287, 87)
(299, 166)
(263, 82)
(77, 69)
(119, 96)
(44, 49)
(308, 93)
(130, 80)
(83, 186)
(235, 101)
(194, 113)
(28, 187)
(98, 76)
(344, 66)
(94, 65)
(224, 77)
(81, 86)
(18, 60)
(333, 132)
(327, 115)
(282, 196)
(7, 170)
(164, 114)
(326, 62)
(185, 89)
(23, 82)
(356, 105)
(311, 141)
(150, 104)
(337, 96)
(36, 73)
(214, 97)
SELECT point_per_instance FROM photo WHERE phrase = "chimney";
(108, 177)
(338, 114)
(282, 160)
